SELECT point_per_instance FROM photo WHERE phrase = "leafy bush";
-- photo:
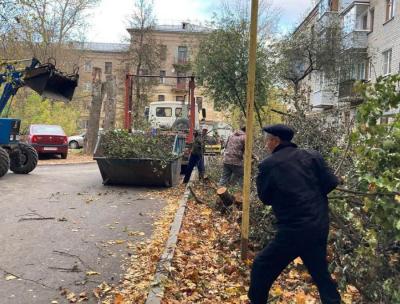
(121, 144)
(35, 110)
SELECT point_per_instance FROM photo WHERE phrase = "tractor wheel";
(4, 162)
(28, 159)
(180, 124)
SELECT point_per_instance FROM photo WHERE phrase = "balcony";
(347, 92)
(181, 60)
(327, 20)
(180, 87)
(323, 99)
(357, 39)
(346, 4)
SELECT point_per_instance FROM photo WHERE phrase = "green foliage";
(121, 144)
(35, 110)
(373, 261)
(222, 61)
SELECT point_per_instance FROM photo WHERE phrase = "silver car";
(76, 141)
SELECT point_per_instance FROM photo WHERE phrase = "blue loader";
(44, 79)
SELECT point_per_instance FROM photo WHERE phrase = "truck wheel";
(180, 124)
(24, 160)
(4, 162)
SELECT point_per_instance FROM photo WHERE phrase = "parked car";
(48, 139)
(76, 141)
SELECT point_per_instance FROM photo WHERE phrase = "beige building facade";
(179, 44)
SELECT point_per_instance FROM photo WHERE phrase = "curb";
(66, 164)
(156, 292)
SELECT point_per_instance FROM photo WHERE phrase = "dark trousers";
(195, 160)
(310, 246)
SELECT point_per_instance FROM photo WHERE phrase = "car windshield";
(47, 130)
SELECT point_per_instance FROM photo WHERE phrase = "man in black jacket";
(295, 182)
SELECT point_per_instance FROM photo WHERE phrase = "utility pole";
(251, 77)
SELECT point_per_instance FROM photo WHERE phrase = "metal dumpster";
(140, 171)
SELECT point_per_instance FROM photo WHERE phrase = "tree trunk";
(226, 198)
(95, 111)
(110, 103)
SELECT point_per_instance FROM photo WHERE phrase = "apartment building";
(180, 44)
(179, 47)
(110, 57)
(371, 39)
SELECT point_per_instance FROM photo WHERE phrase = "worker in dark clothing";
(295, 182)
(196, 157)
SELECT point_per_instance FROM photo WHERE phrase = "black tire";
(64, 155)
(28, 159)
(73, 144)
(4, 162)
(180, 124)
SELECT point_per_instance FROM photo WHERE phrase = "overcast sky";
(116, 13)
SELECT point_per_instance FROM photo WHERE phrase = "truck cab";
(163, 114)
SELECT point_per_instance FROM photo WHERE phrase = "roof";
(183, 27)
(104, 47)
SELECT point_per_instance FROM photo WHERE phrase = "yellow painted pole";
(251, 76)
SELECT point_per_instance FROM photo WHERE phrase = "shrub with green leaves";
(121, 144)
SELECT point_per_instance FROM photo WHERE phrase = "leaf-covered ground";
(140, 267)
(207, 267)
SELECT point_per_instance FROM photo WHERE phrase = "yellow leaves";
(10, 277)
(118, 299)
(301, 298)
(91, 273)
(277, 291)
(397, 198)
(298, 261)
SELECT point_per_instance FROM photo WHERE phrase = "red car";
(48, 139)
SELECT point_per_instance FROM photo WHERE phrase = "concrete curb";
(66, 164)
(156, 292)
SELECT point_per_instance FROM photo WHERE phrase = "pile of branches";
(121, 144)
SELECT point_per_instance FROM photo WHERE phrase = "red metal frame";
(128, 103)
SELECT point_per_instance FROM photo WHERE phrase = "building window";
(87, 86)
(178, 112)
(181, 82)
(163, 52)
(182, 54)
(372, 19)
(387, 62)
(180, 98)
(108, 68)
(162, 76)
(199, 102)
(88, 66)
(390, 9)
(161, 97)
(365, 22)
(361, 71)
(163, 112)
(368, 70)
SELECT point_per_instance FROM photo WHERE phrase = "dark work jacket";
(295, 182)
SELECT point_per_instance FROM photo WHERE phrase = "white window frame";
(387, 62)
(87, 67)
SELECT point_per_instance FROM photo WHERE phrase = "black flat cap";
(281, 131)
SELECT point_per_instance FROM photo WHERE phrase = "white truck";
(170, 115)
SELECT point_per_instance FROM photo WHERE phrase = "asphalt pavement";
(61, 228)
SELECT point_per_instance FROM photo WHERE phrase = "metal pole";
(251, 76)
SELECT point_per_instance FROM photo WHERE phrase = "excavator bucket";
(48, 82)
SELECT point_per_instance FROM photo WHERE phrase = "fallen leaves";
(10, 277)
(141, 265)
